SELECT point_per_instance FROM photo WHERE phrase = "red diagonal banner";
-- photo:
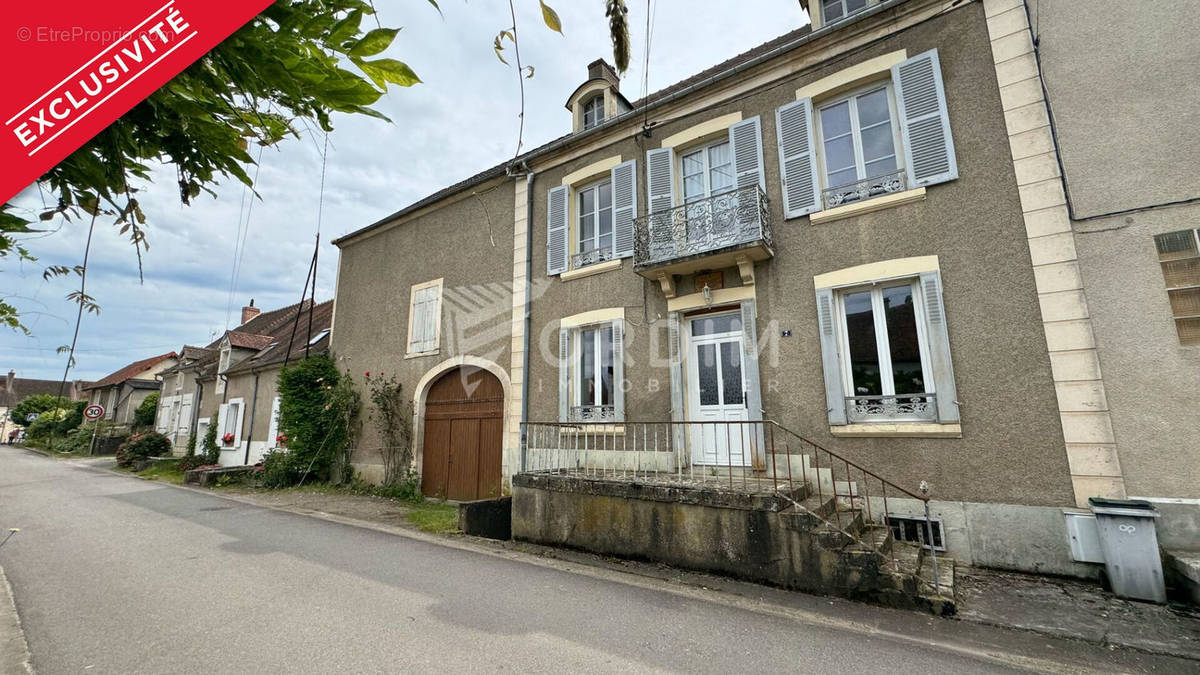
(72, 67)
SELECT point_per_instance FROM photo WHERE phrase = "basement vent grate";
(913, 529)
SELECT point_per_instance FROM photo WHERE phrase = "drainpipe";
(250, 433)
(529, 174)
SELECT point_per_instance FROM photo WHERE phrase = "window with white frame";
(833, 10)
(707, 171)
(593, 111)
(594, 212)
(230, 422)
(424, 318)
(891, 134)
(859, 137)
(593, 373)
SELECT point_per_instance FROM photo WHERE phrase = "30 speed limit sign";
(93, 412)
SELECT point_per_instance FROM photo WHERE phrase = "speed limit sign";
(93, 412)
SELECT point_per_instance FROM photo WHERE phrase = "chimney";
(250, 311)
(600, 70)
(8, 381)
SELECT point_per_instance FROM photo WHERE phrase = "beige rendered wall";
(1012, 448)
(468, 242)
(1137, 157)
(1121, 79)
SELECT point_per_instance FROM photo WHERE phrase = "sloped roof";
(639, 107)
(130, 370)
(281, 336)
(243, 340)
(23, 387)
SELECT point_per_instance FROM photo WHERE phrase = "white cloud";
(461, 120)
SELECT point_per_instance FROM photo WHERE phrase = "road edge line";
(16, 660)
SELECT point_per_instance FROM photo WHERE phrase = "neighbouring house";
(123, 391)
(1122, 297)
(234, 379)
(825, 261)
(15, 389)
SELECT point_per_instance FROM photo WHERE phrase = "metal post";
(937, 587)
(92, 445)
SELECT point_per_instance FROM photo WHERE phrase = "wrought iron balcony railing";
(591, 257)
(723, 221)
(593, 413)
(897, 408)
(897, 181)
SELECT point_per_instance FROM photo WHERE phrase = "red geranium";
(227, 438)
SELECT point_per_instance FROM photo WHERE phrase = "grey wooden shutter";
(674, 342)
(660, 179)
(798, 159)
(745, 144)
(556, 230)
(617, 332)
(835, 397)
(564, 374)
(624, 201)
(924, 124)
(939, 348)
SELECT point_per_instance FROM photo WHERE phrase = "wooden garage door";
(464, 430)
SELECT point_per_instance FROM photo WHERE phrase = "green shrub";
(189, 462)
(280, 469)
(142, 446)
(317, 410)
(143, 415)
(209, 448)
(35, 405)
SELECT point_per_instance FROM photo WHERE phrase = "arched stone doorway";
(463, 435)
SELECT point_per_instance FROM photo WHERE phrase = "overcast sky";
(461, 120)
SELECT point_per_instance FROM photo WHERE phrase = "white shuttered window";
(424, 317)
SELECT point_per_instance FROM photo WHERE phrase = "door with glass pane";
(717, 391)
(707, 173)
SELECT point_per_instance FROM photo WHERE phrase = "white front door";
(717, 391)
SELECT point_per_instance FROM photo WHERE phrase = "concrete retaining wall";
(760, 538)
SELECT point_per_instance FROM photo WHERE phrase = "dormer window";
(593, 111)
(834, 10)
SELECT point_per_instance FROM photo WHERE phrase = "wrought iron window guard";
(702, 226)
(591, 257)
(593, 413)
(897, 181)
(897, 408)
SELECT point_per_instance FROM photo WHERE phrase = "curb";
(14, 651)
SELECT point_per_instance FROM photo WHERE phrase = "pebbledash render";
(828, 232)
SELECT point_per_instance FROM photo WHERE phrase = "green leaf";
(551, 18)
(389, 70)
(374, 42)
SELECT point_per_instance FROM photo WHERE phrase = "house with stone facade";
(840, 247)
(233, 379)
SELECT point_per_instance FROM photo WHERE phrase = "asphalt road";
(112, 574)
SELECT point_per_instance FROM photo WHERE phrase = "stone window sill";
(417, 355)
(867, 206)
(590, 270)
(898, 429)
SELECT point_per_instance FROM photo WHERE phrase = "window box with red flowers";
(227, 439)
